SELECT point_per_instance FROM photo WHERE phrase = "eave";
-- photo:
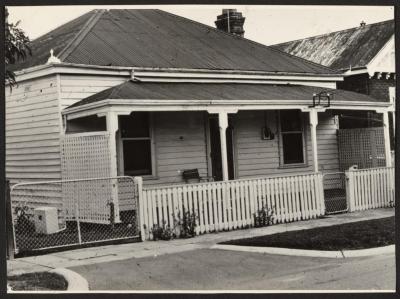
(170, 74)
(126, 106)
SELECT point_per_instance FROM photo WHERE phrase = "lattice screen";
(86, 156)
(364, 147)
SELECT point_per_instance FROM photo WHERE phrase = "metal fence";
(72, 212)
(335, 192)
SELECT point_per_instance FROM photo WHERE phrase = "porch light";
(322, 99)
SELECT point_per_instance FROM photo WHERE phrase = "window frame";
(303, 132)
(121, 166)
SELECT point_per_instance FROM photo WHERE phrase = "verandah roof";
(248, 93)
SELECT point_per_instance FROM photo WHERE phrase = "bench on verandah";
(193, 174)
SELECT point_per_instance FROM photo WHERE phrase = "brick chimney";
(230, 21)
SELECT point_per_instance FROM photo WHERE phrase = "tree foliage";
(16, 47)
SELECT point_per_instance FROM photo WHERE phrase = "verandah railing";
(232, 204)
(370, 188)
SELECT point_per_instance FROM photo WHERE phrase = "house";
(151, 94)
(366, 58)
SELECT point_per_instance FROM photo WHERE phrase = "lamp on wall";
(266, 132)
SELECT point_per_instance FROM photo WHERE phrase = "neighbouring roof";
(131, 90)
(342, 50)
(155, 38)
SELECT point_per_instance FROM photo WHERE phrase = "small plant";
(163, 232)
(184, 227)
(263, 217)
(23, 222)
(186, 224)
(391, 203)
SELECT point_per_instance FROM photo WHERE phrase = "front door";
(215, 149)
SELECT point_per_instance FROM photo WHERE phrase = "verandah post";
(223, 125)
(313, 125)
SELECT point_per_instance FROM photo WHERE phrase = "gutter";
(207, 103)
(149, 73)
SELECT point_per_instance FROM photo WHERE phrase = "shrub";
(184, 227)
(263, 217)
(186, 224)
(24, 224)
(163, 232)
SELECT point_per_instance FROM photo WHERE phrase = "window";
(292, 139)
(136, 144)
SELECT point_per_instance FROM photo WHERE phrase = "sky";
(264, 23)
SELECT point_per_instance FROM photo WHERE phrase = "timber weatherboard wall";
(33, 131)
(253, 156)
(257, 157)
(77, 87)
(180, 143)
(328, 150)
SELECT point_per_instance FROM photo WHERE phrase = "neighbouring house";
(151, 94)
(365, 55)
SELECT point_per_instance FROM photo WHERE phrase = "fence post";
(350, 190)
(9, 224)
(78, 224)
(139, 184)
(320, 182)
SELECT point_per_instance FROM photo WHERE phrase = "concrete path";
(207, 269)
(110, 253)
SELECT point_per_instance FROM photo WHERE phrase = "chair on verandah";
(193, 174)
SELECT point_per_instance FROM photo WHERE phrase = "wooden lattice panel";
(86, 156)
(364, 147)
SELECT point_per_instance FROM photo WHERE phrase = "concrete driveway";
(211, 269)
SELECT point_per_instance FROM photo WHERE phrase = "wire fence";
(73, 212)
(335, 192)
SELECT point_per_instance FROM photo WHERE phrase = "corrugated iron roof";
(218, 91)
(56, 39)
(342, 50)
(155, 38)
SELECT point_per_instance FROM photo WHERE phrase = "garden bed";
(38, 281)
(355, 235)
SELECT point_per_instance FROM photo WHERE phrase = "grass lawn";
(39, 281)
(356, 235)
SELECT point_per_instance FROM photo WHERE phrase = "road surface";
(212, 269)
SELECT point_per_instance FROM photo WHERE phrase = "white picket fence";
(232, 204)
(370, 188)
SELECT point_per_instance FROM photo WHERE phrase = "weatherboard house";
(150, 94)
